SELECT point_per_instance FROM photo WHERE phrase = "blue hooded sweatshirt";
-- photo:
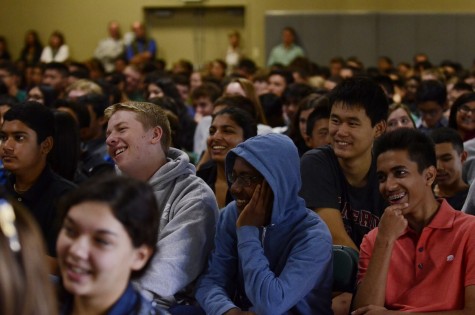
(283, 268)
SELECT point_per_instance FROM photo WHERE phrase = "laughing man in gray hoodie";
(138, 140)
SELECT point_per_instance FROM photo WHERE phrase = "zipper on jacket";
(264, 229)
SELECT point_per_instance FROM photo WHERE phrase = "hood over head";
(276, 157)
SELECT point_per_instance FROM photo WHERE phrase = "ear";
(140, 257)
(463, 156)
(308, 141)
(430, 174)
(46, 145)
(157, 133)
(380, 128)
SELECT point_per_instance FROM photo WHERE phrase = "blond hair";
(86, 86)
(25, 287)
(150, 115)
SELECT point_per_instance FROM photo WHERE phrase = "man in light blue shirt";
(286, 52)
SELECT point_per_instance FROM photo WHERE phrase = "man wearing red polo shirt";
(421, 258)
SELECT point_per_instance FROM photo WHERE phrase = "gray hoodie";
(187, 228)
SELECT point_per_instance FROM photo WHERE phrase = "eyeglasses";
(244, 180)
(464, 109)
(7, 225)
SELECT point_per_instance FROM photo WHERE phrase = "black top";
(41, 199)
(457, 200)
(324, 186)
(208, 172)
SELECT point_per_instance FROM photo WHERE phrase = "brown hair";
(250, 92)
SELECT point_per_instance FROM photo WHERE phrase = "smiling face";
(401, 182)
(350, 131)
(95, 253)
(449, 164)
(36, 95)
(465, 117)
(246, 180)
(224, 135)
(19, 149)
(130, 145)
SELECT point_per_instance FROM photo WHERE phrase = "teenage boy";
(420, 259)
(431, 100)
(138, 140)
(450, 157)
(56, 76)
(316, 132)
(26, 139)
(203, 98)
(339, 181)
(272, 255)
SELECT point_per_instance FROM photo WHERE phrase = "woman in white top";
(57, 50)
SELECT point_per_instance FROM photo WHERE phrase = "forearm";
(372, 290)
(275, 294)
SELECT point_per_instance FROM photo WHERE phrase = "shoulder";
(58, 183)
(320, 158)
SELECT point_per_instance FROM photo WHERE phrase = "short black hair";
(99, 102)
(131, 201)
(286, 74)
(448, 135)
(419, 146)
(296, 92)
(207, 89)
(36, 116)
(321, 111)
(9, 67)
(59, 67)
(362, 92)
(431, 90)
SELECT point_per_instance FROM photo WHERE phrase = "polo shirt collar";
(443, 219)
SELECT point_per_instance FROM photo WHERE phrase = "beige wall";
(84, 21)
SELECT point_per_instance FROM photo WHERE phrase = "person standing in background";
(287, 51)
(234, 53)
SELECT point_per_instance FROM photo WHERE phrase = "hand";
(259, 209)
(393, 223)
(237, 311)
(370, 310)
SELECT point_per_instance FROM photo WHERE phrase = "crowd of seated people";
(246, 176)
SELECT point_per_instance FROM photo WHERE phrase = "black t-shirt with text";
(325, 186)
